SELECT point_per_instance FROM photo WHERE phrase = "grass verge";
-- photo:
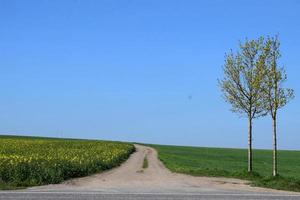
(222, 162)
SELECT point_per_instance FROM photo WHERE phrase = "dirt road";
(130, 177)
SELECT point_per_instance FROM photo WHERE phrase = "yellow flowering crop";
(27, 161)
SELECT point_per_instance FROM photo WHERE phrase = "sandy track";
(130, 177)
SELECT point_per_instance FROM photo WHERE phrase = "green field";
(233, 163)
(30, 161)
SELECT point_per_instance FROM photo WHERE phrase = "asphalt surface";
(138, 196)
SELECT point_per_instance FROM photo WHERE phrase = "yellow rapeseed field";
(28, 161)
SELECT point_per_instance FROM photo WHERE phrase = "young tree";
(275, 95)
(241, 85)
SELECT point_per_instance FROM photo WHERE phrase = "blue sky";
(136, 70)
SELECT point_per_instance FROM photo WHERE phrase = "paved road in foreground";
(142, 196)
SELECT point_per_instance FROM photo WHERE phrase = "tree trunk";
(250, 146)
(274, 147)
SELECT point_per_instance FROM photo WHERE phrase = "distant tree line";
(253, 85)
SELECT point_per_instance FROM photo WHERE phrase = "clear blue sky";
(136, 70)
